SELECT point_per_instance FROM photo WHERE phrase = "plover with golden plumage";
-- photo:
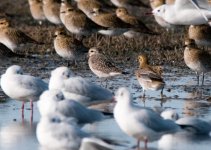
(129, 3)
(36, 10)
(13, 38)
(149, 77)
(102, 66)
(109, 20)
(139, 26)
(87, 6)
(197, 59)
(51, 9)
(201, 34)
(78, 23)
(64, 6)
(68, 47)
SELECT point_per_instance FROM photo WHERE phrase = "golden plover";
(109, 20)
(64, 6)
(51, 9)
(129, 3)
(101, 65)
(87, 6)
(13, 38)
(143, 63)
(197, 59)
(149, 77)
(201, 34)
(37, 10)
(68, 47)
(78, 23)
(139, 26)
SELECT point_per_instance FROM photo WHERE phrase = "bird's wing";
(186, 4)
(148, 75)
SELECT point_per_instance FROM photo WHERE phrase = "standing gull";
(141, 123)
(22, 87)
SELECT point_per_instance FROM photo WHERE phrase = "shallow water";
(181, 94)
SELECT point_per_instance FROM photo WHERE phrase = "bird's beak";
(62, 12)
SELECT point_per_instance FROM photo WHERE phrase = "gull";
(141, 123)
(22, 87)
(58, 132)
(188, 12)
(193, 125)
(54, 101)
(78, 88)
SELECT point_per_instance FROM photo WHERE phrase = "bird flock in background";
(64, 101)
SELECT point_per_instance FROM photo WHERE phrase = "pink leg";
(31, 118)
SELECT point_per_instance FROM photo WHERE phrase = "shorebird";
(149, 77)
(37, 10)
(64, 6)
(197, 59)
(68, 47)
(138, 26)
(13, 38)
(109, 20)
(102, 66)
(78, 23)
(129, 3)
(51, 9)
(138, 122)
(22, 87)
(5, 52)
(87, 6)
(201, 34)
(78, 88)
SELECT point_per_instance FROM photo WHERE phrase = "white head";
(58, 76)
(14, 69)
(54, 95)
(123, 94)
(170, 114)
(159, 11)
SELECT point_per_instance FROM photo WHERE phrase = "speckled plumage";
(201, 34)
(68, 47)
(101, 65)
(36, 10)
(64, 6)
(197, 59)
(78, 23)
(11, 37)
(51, 9)
(127, 3)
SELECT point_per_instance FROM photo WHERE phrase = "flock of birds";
(64, 102)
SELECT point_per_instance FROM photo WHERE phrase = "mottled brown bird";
(129, 3)
(197, 59)
(36, 10)
(13, 38)
(67, 47)
(64, 6)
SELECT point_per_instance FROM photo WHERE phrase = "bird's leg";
(145, 143)
(143, 94)
(138, 144)
(31, 106)
(197, 76)
(202, 83)
(161, 93)
(22, 111)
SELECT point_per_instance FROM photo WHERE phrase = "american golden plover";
(129, 3)
(37, 10)
(139, 26)
(11, 37)
(68, 47)
(64, 6)
(197, 59)
(51, 9)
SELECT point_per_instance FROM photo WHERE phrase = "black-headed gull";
(52, 101)
(78, 88)
(141, 123)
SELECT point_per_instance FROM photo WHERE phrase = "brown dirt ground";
(165, 48)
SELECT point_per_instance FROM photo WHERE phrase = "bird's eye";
(60, 96)
(158, 10)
